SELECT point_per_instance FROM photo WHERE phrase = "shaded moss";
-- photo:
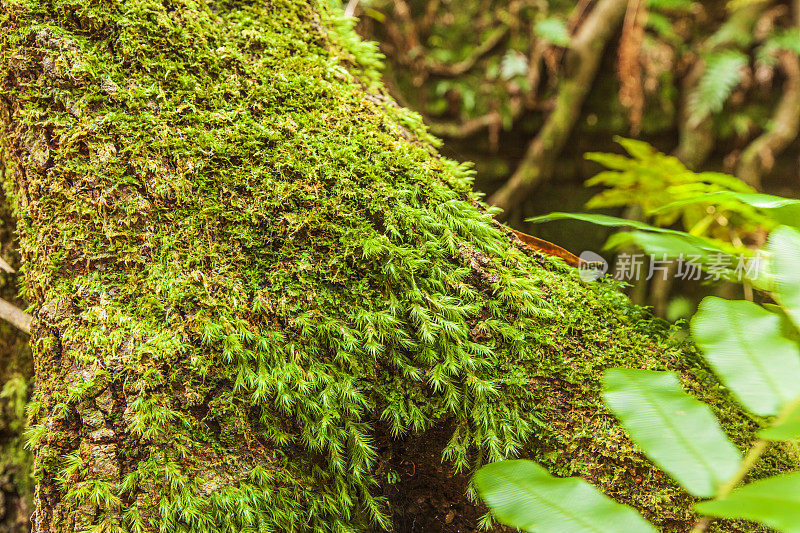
(245, 257)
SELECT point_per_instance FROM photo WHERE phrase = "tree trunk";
(264, 302)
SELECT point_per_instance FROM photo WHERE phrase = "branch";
(462, 130)
(585, 53)
(457, 69)
(350, 10)
(411, 37)
(759, 156)
(15, 316)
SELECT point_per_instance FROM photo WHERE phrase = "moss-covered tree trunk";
(265, 303)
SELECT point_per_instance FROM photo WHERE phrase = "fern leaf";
(553, 30)
(785, 40)
(722, 74)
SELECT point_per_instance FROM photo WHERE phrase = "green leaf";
(774, 502)
(691, 244)
(637, 149)
(781, 210)
(721, 75)
(673, 246)
(553, 30)
(513, 64)
(673, 5)
(784, 249)
(524, 495)
(602, 220)
(743, 343)
(613, 161)
(788, 429)
(781, 40)
(677, 432)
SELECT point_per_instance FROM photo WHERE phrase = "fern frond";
(782, 40)
(722, 74)
(553, 30)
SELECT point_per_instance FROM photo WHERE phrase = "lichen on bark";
(248, 263)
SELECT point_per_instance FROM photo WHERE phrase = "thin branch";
(631, 90)
(472, 126)
(461, 130)
(459, 68)
(584, 57)
(15, 316)
(411, 36)
(350, 10)
(6, 267)
(430, 16)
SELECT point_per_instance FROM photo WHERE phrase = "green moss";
(246, 258)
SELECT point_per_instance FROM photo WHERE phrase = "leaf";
(637, 149)
(553, 30)
(774, 502)
(726, 181)
(603, 220)
(788, 429)
(612, 161)
(781, 210)
(672, 5)
(691, 244)
(524, 495)
(513, 64)
(743, 343)
(677, 432)
(784, 249)
(782, 40)
(721, 75)
(673, 246)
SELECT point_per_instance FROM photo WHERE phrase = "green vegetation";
(255, 279)
(755, 352)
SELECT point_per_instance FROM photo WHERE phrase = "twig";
(350, 9)
(631, 91)
(6, 267)
(15, 316)
(429, 17)
(472, 126)
(457, 69)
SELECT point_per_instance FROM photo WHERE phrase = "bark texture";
(258, 285)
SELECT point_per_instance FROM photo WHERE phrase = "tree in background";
(717, 83)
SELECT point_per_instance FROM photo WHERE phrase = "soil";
(427, 495)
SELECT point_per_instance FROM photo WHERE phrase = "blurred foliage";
(667, 193)
(721, 219)
(482, 67)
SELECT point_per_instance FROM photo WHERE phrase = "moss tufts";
(247, 258)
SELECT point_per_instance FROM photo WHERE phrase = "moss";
(245, 258)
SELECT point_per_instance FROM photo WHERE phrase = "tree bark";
(263, 301)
